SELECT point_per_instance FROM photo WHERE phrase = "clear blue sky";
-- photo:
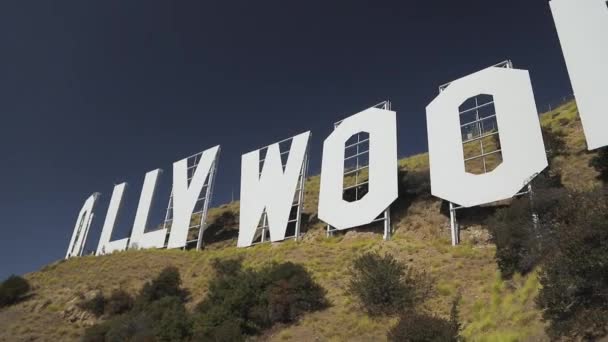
(98, 92)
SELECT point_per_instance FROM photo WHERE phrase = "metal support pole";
(387, 224)
(535, 219)
(454, 228)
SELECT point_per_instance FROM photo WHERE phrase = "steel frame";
(202, 203)
(262, 229)
(454, 225)
(361, 165)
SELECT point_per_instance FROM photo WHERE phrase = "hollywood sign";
(272, 179)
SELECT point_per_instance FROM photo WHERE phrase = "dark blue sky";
(94, 93)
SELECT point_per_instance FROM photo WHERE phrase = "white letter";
(382, 128)
(186, 195)
(139, 238)
(582, 26)
(106, 246)
(272, 189)
(523, 151)
(81, 229)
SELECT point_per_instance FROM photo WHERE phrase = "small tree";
(385, 285)
(13, 289)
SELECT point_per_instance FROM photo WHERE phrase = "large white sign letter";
(272, 189)
(523, 150)
(139, 238)
(382, 128)
(582, 26)
(106, 246)
(81, 229)
(185, 195)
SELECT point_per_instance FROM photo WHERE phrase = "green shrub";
(95, 305)
(521, 244)
(414, 184)
(574, 279)
(290, 292)
(243, 302)
(119, 302)
(163, 320)
(515, 236)
(12, 290)
(385, 285)
(554, 142)
(600, 163)
(420, 327)
(96, 333)
(159, 313)
(169, 319)
(166, 284)
(135, 326)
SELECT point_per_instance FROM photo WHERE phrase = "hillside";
(491, 310)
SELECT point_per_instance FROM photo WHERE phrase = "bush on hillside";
(96, 333)
(555, 144)
(94, 305)
(421, 327)
(159, 315)
(163, 320)
(600, 163)
(291, 292)
(243, 302)
(515, 236)
(385, 285)
(12, 290)
(522, 243)
(166, 284)
(574, 293)
(414, 184)
(118, 303)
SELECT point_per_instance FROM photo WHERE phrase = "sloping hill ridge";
(491, 309)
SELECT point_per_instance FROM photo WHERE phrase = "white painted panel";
(274, 189)
(106, 246)
(81, 229)
(139, 238)
(523, 150)
(382, 128)
(185, 196)
(582, 27)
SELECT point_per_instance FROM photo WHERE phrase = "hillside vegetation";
(491, 309)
